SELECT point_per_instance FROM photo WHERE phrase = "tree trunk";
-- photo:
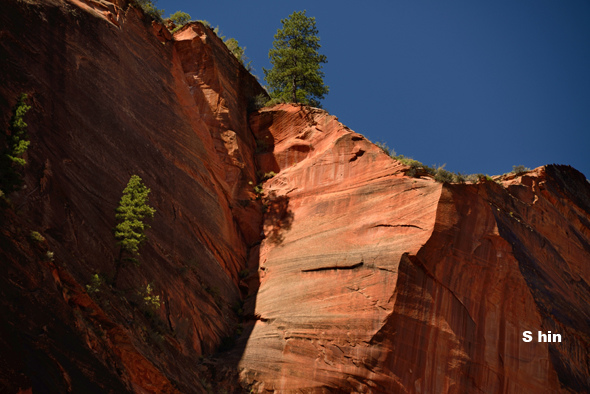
(294, 90)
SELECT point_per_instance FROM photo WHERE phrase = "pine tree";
(16, 145)
(130, 214)
(296, 75)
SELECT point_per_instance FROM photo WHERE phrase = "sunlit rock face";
(289, 253)
(372, 281)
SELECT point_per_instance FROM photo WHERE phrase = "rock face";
(110, 99)
(372, 281)
(289, 253)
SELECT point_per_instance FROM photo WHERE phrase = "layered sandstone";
(371, 281)
(341, 273)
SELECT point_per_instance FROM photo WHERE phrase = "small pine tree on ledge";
(130, 229)
(16, 145)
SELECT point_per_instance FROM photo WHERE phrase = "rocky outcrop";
(371, 281)
(289, 253)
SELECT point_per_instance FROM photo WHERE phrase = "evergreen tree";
(16, 145)
(296, 74)
(130, 214)
(180, 18)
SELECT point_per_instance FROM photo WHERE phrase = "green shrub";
(238, 52)
(386, 149)
(520, 169)
(266, 176)
(150, 300)
(37, 237)
(95, 284)
(459, 178)
(257, 102)
(180, 18)
(418, 169)
(275, 101)
(443, 175)
(408, 161)
(258, 190)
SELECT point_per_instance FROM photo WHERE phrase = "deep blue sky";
(480, 86)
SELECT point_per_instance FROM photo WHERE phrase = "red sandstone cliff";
(372, 281)
(111, 96)
(344, 276)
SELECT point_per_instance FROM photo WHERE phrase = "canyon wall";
(373, 281)
(112, 96)
(290, 254)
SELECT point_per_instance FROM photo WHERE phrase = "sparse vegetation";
(257, 102)
(444, 176)
(385, 148)
(266, 176)
(16, 144)
(520, 169)
(439, 173)
(238, 52)
(151, 301)
(149, 7)
(259, 190)
(96, 283)
(180, 18)
(37, 237)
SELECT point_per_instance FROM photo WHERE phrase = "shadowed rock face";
(344, 274)
(112, 97)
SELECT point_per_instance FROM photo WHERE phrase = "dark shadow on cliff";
(278, 218)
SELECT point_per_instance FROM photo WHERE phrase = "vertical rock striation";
(113, 94)
(344, 274)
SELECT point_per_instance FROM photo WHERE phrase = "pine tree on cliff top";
(130, 214)
(296, 74)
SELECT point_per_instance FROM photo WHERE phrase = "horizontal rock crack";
(334, 267)
(398, 225)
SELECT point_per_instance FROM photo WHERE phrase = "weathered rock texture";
(344, 274)
(112, 97)
(371, 281)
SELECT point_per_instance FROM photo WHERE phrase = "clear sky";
(477, 85)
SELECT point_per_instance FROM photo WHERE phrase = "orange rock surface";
(372, 281)
(290, 254)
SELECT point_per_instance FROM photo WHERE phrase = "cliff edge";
(289, 253)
